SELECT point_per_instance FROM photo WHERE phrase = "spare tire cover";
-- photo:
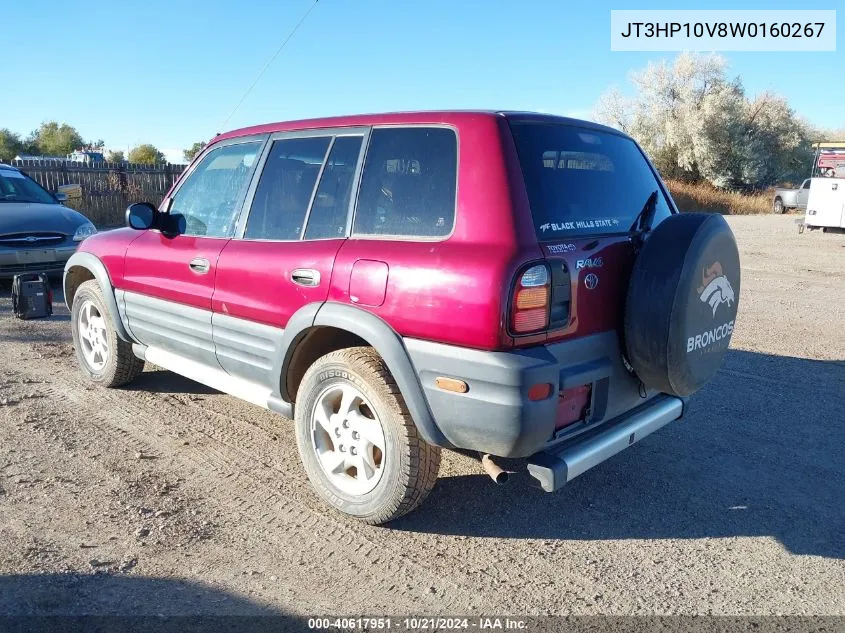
(682, 302)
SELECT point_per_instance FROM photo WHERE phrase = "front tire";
(103, 356)
(359, 446)
(778, 207)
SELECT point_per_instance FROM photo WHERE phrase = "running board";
(214, 378)
(562, 464)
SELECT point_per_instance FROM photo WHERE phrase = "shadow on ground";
(761, 452)
(163, 381)
(101, 602)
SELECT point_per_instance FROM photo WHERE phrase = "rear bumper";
(496, 416)
(555, 467)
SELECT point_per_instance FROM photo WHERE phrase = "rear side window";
(408, 183)
(284, 191)
(331, 204)
(582, 181)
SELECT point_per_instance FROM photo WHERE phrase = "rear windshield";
(583, 181)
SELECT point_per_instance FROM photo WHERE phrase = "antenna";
(267, 64)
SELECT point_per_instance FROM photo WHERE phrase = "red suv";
(514, 284)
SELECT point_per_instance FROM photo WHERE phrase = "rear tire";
(359, 446)
(777, 207)
(103, 356)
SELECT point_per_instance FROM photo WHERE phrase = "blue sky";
(169, 72)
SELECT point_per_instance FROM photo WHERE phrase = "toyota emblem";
(31, 238)
(591, 281)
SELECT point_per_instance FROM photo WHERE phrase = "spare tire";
(682, 302)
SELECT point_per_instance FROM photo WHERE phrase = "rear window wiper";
(645, 217)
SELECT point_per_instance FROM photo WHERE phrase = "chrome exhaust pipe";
(496, 472)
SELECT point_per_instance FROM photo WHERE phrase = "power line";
(267, 64)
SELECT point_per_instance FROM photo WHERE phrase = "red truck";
(513, 284)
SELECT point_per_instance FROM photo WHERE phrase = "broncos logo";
(715, 288)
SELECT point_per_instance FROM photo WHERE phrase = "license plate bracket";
(36, 256)
(572, 405)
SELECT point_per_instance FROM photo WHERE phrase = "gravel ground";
(167, 497)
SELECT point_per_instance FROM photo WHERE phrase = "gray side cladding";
(248, 349)
(175, 327)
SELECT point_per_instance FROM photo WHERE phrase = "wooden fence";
(106, 188)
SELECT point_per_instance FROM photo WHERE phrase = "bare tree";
(614, 109)
(696, 123)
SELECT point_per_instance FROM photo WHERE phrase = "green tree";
(52, 139)
(146, 154)
(115, 157)
(193, 150)
(10, 145)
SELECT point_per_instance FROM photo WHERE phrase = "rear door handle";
(306, 277)
(199, 265)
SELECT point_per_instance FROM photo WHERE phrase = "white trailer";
(826, 205)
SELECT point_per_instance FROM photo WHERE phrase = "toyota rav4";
(512, 284)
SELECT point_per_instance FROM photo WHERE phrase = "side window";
(408, 183)
(285, 188)
(331, 204)
(208, 199)
(806, 184)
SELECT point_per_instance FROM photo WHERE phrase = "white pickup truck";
(826, 207)
(786, 199)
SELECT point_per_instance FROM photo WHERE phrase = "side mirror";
(141, 216)
(175, 224)
(60, 197)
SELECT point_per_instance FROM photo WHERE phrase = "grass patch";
(704, 197)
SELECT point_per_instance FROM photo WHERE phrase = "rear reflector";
(540, 391)
(572, 405)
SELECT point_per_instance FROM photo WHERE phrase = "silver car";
(37, 233)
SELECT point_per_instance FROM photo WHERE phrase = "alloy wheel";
(93, 336)
(348, 439)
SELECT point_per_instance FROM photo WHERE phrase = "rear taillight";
(530, 312)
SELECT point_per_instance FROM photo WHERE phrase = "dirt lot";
(170, 498)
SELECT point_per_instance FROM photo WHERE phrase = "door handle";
(305, 277)
(199, 265)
